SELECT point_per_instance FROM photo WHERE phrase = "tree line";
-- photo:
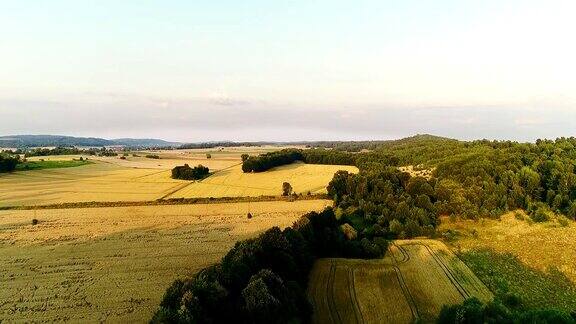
(270, 160)
(8, 162)
(55, 151)
(263, 280)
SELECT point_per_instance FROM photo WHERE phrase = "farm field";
(233, 182)
(113, 264)
(94, 182)
(534, 261)
(413, 282)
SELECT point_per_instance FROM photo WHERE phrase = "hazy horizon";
(301, 70)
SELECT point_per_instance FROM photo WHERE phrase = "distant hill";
(350, 146)
(147, 142)
(57, 140)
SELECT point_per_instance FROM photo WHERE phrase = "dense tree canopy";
(270, 160)
(185, 172)
(469, 179)
(8, 162)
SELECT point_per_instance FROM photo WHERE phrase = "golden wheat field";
(232, 182)
(143, 179)
(114, 264)
(535, 244)
(413, 282)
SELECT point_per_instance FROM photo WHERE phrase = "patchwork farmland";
(142, 179)
(413, 282)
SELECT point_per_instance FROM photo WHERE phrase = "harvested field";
(93, 182)
(114, 264)
(233, 182)
(413, 282)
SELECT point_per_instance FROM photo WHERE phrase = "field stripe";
(330, 294)
(175, 189)
(448, 273)
(354, 298)
(407, 294)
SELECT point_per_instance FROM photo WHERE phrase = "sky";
(193, 71)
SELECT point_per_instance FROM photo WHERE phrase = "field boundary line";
(162, 202)
(175, 189)
(150, 174)
(218, 171)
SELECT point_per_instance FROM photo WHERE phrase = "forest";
(469, 179)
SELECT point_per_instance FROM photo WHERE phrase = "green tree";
(286, 189)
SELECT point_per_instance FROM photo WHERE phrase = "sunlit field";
(113, 264)
(413, 282)
(232, 182)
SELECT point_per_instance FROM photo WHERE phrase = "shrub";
(152, 156)
(563, 221)
(540, 215)
(34, 221)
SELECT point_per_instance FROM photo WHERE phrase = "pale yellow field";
(114, 264)
(93, 182)
(413, 282)
(233, 182)
(535, 244)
